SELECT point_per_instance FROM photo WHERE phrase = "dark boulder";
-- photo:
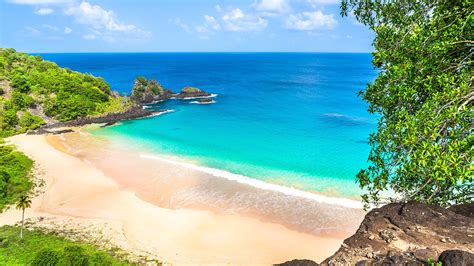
(298, 263)
(456, 258)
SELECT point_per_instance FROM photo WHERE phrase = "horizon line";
(199, 52)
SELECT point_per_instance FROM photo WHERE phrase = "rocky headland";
(408, 234)
(144, 92)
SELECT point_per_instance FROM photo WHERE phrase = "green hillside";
(34, 92)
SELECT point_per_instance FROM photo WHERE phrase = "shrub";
(47, 257)
(75, 256)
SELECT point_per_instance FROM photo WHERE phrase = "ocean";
(290, 119)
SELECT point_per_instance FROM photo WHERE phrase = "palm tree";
(23, 203)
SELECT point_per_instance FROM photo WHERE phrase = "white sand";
(77, 191)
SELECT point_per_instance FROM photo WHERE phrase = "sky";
(180, 26)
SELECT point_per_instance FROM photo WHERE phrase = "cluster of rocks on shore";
(408, 234)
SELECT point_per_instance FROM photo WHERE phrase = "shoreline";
(176, 235)
(340, 201)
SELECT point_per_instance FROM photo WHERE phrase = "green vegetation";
(143, 89)
(38, 248)
(191, 89)
(423, 147)
(15, 179)
(31, 85)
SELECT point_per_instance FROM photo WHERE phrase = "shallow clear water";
(287, 118)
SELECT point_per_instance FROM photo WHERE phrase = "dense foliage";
(143, 89)
(14, 175)
(38, 248)
(423, 147)
(30, 85)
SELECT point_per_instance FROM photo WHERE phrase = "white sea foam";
(198, 102)
(200, 97)
(162, 113)
(261, 184)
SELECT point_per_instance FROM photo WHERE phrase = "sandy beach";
(170, 211)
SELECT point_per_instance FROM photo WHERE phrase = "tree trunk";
(22, 223)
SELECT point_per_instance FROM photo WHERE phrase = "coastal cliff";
(408, 234)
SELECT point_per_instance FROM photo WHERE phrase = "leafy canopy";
(32, 89)
(422, 149)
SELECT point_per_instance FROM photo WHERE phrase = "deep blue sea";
(292, 119)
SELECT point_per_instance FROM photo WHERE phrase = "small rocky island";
(150, 91)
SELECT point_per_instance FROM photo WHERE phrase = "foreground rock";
(401, 233)
(409, 234)
(192, 93)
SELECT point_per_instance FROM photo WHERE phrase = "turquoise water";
(288, 118)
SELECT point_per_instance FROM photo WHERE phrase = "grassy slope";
(15, 169)
(16, 251)
(29, 85)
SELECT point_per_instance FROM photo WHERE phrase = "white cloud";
(229, 19)
(317, 3)
(30, 31)
(44, 11)
(236, 20)
(50, 27)
(212, 22)
(104, 23)
(97, 17)
(273, 6)
(67, 30)
(310, 21)
(182, 25)
(37, 2)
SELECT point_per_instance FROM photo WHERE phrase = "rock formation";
(147, 91)
(409, 234)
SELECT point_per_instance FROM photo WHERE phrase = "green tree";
(23, 203)
(422, 149)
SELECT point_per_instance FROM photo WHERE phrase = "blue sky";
(180, 26)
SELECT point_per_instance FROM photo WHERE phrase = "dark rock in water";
(456, 258)
(298, 263)
(408, 234)
(205, 101)
(191, 92)
(147, 91)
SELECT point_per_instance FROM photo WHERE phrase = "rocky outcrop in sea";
(192, 93)
(148, 91)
